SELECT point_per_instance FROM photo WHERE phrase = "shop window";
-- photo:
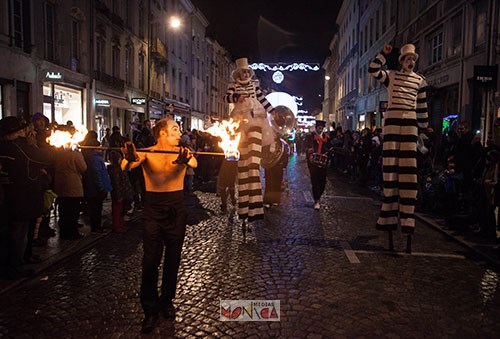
(67, 105)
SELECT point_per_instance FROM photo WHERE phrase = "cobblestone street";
(328, 268)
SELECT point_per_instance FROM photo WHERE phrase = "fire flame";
(62, 138)
(226, 130)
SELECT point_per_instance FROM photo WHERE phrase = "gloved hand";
(423, 136)
(129, 152)
(184, 156)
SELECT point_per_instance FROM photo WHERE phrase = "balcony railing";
(159, 51)
(111, 81)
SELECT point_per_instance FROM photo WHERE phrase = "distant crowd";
(458, 175)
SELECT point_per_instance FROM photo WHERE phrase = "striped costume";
(405, 117)
(254, 125)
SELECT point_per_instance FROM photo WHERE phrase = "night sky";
(276, 31)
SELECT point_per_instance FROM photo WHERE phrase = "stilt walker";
(250, 106)
(405, 118)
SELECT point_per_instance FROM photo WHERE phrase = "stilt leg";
(408, 244)
(244, 230)
(391, 242)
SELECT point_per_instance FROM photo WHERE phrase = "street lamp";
(175, 22)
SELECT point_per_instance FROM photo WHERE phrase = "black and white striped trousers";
(250, 204)
(399, 165)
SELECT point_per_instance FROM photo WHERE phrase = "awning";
(121, 103)
(139, 109)
(181, 110)
(115, 102)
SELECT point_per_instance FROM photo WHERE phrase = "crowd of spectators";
(457, 174)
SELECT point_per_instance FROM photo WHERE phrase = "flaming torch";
(66, 138)
(230, 138)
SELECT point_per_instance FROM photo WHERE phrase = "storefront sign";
(102, 102)
(53, 75)
(486, 76)
(138, 101)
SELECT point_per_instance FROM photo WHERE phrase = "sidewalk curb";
(56, 259)
(429, 221)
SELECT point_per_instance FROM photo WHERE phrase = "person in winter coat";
(96, 181)
(22, 164)
(69, 168)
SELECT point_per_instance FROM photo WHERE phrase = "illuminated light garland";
(280, 67)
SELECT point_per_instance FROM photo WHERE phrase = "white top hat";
(407, 49)
(241, 64)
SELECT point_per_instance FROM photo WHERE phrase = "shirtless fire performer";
(164, 217)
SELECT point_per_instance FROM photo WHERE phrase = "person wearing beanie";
(405, 118)
(250, 110)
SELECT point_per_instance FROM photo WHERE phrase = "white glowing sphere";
(284, 99)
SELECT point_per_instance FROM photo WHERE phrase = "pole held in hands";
(102, 148)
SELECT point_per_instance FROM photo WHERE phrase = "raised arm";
(376, 66)
(262, 98)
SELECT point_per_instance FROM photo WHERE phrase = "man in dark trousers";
(318, 145)
(164, 217)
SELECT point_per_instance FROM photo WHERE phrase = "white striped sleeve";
(376, 70)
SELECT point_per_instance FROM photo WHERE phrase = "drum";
(319, 159)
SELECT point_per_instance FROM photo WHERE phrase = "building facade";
(105, 63)
(452, 38)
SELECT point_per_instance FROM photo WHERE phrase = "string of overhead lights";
(286, 67)
(279, 68)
